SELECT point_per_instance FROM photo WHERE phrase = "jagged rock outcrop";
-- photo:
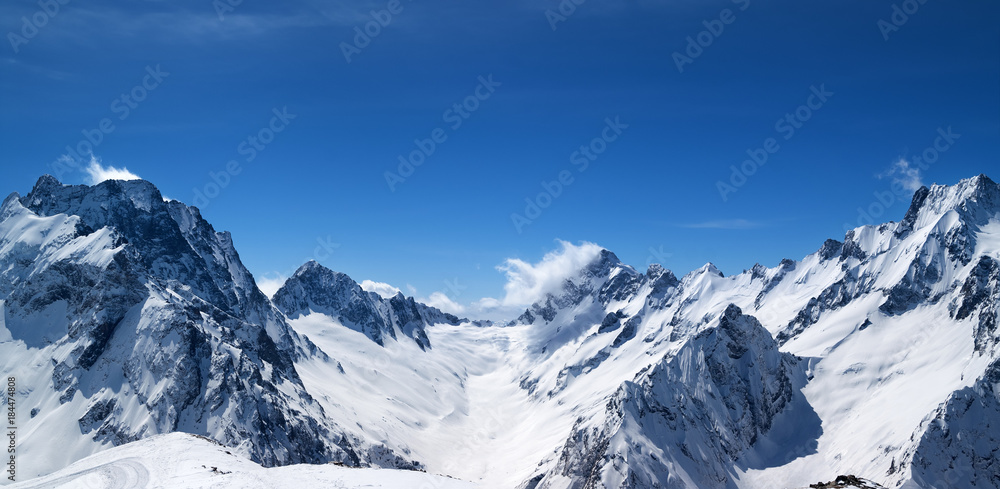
(687, 420)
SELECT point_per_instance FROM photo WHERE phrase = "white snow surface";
(186, 461)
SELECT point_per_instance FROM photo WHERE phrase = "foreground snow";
(183, 460)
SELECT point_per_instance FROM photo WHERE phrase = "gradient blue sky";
(654, 188)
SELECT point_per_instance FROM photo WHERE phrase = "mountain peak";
(169, 238)
(316, 274)
(47, 181)
(603, 263)
(309, 267)
(49, 196)
(974, 198)
(981, 180)
(984, 191)
(979, 191)
(732, 311)
(316, 288)
(830, 249)
(708, 268)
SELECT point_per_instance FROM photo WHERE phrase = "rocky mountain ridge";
(125, 316)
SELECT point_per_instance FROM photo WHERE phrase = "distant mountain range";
(127, 316)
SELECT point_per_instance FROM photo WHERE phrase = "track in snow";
(127, 473)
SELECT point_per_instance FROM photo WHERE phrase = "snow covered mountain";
(896, 328)
(132, 316)
(877, 355)
(315, 288)
(693, 415)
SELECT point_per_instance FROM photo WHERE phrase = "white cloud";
(383, 289)
(493, 309)
(441, 301)
(906, 175)
(270, 285)
(168, 23)
(527, 283)
(487, 304)
(97, 173)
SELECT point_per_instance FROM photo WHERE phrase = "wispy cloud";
(725, 224)
(37, 70)
(167, 22)
(527, 282)
(437, 299)
(97, 173)
(441, 301)
(270, 285)
(904, 173)
(383, 289)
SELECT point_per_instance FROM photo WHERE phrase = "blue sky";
(192, 96)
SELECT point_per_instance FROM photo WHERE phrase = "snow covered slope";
(876, 356)
(191, 462)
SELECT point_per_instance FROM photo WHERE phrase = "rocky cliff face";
(315, 288)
